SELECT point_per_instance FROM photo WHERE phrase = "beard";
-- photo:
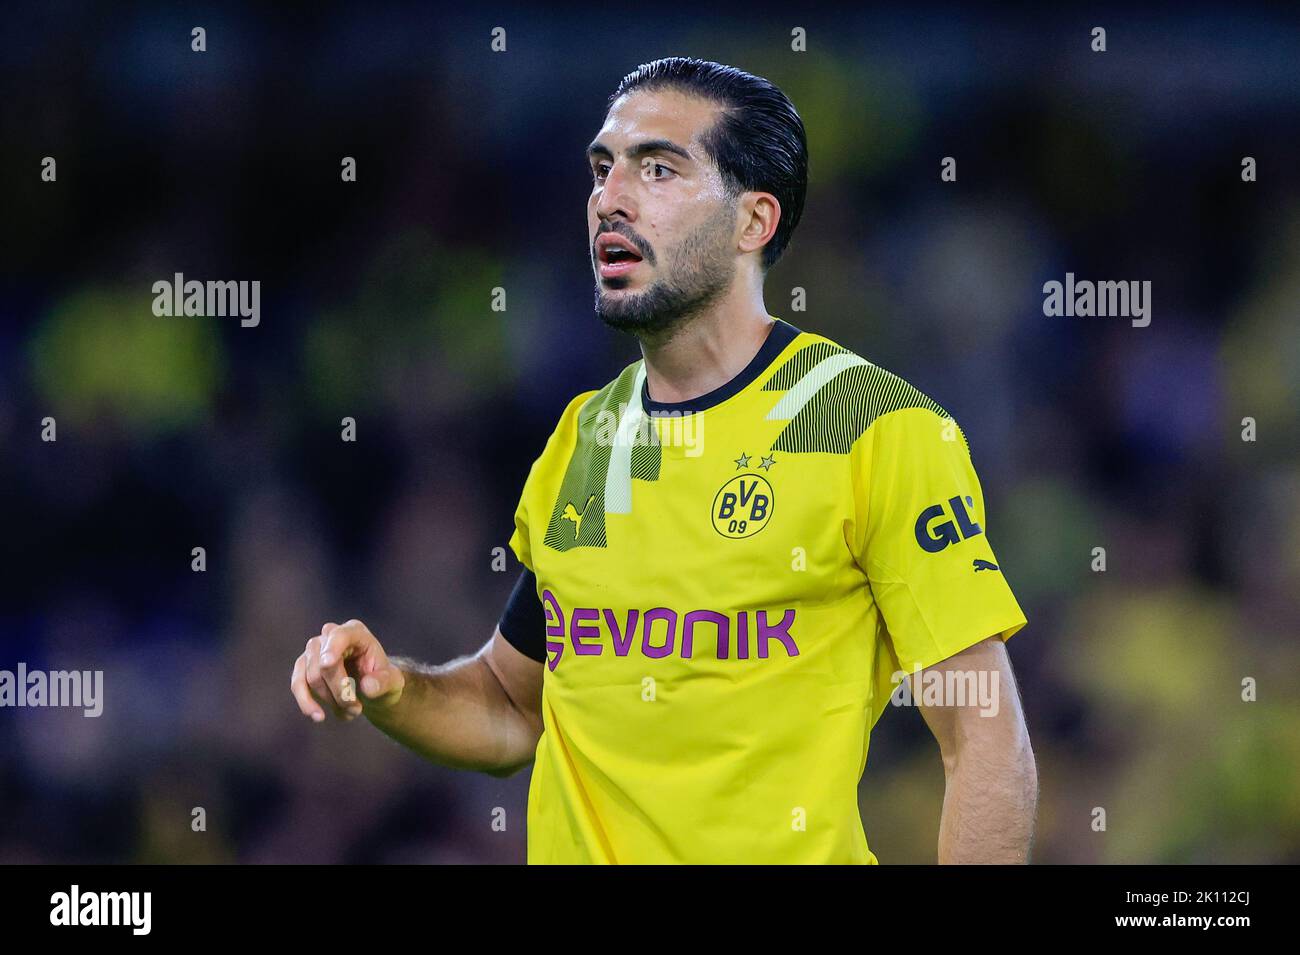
(699, 273)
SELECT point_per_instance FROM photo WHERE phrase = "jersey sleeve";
(522, 622)
(533, 512)
(920, 535)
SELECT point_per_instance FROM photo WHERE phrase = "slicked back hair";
(758, 142)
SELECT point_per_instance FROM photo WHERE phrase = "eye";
(599, 171)
(656, 171)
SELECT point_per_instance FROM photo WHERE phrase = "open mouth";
(615, 256)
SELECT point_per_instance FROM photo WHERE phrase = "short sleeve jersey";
(730, 590)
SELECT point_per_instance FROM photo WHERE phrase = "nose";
(616, 195)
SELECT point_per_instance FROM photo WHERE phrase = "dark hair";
(758, 142)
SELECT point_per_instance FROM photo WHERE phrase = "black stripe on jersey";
(578, 515)
(799, 364)
(645, 462)
(843, 408)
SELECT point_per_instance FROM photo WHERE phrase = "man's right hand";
(342, 651)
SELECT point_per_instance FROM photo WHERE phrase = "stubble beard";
(700, 273)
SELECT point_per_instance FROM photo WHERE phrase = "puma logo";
(571, 514)
(983, 565)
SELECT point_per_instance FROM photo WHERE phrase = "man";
(731, 551)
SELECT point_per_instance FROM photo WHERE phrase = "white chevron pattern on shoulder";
(618, 478)
(801, 391)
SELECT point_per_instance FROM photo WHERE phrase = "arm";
(480, 712)
(992, 782)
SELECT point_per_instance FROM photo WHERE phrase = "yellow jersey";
(729, 588)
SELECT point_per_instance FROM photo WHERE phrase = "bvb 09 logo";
(742, 506)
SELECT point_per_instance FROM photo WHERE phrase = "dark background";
(183, 432)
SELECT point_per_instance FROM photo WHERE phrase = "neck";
(707, 351)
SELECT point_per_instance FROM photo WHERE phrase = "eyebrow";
(640, 149)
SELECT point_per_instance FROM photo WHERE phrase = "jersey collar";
(781, 334)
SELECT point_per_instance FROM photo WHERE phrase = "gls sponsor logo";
(934, 537)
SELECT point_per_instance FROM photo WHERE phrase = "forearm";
(458, 714)
(989, 804)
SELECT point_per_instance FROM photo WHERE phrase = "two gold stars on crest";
(742, 462)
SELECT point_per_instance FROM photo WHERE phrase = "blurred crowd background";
(376, 303)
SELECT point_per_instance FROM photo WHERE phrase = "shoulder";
(833, 397)
(611, 398)
(585, 410)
